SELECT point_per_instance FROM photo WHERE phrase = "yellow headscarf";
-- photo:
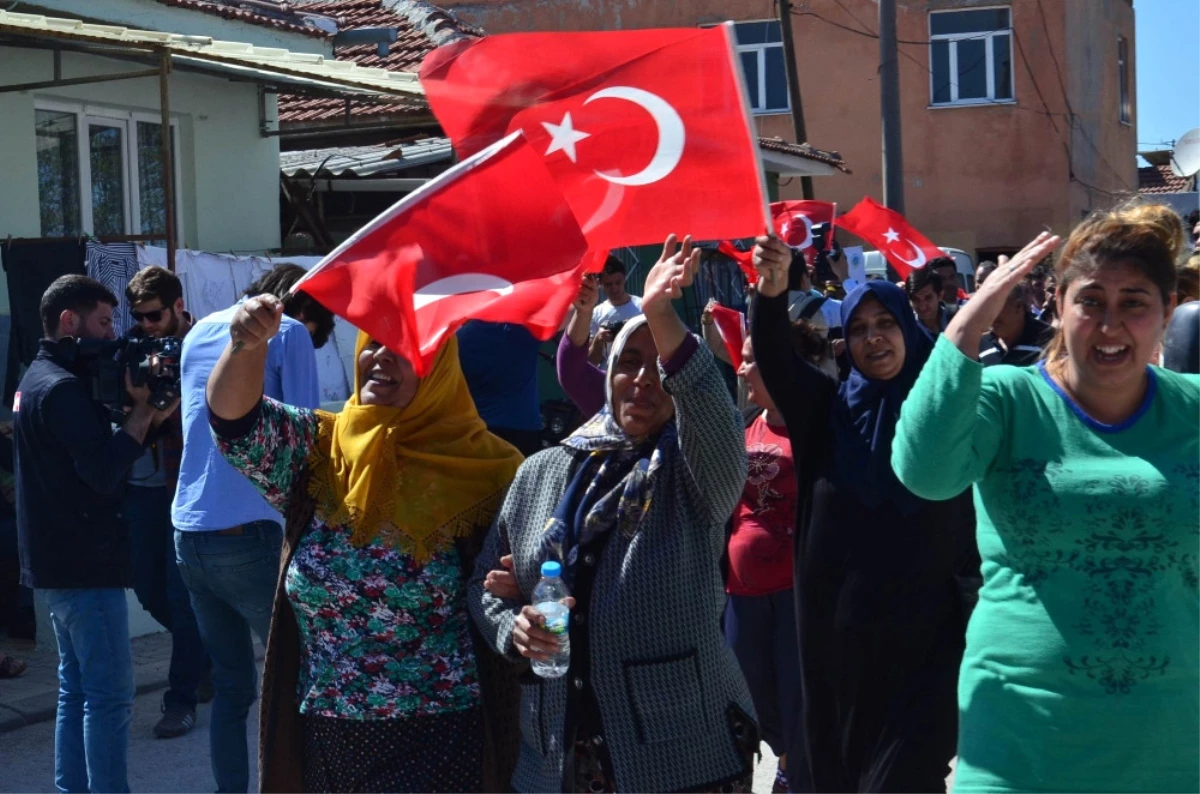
(418, 476)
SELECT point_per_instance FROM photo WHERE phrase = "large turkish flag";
(491, 239)
(646, 131)
(904, 247)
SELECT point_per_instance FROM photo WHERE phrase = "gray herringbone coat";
(663, 676)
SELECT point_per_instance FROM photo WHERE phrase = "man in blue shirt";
(227, 538)
(500, 363)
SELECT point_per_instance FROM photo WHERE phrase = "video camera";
(153, 363)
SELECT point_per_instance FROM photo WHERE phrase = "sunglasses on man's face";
(152, 316)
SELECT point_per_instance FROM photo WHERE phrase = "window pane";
(750, 68)
(58, 172)
(972, 69)
(108, 179)
(774, 34)
(753, 32)
(151, 196)
(777, 87)
(982, 21)
(939, 55)
(1002, 66)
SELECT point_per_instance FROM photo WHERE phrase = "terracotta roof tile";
(805, 150)
(1159, 179)
(421, 26)
(285, 20)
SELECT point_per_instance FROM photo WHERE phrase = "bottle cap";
(551, 569)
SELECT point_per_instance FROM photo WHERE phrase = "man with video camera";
(155, 297)
(70, 466)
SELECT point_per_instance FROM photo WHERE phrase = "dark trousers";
(761, 630)
(160, 589)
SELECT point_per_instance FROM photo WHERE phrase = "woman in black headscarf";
(880, 618)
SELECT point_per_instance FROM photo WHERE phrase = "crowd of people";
(926, 525)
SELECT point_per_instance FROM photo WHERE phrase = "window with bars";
(970, 56)
(100, 173)
(760, 47)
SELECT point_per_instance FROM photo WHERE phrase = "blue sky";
(1168, 70)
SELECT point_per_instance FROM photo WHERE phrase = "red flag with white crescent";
(647, 132)
(794, 222)
(731, 324)
(453, 251)
(904, 247)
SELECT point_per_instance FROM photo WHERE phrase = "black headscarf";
(866, 411)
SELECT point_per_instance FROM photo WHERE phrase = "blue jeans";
(95, 689)
(161, 591)
(232, 582)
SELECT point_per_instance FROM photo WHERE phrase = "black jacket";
(1024, 353)
(70, 467)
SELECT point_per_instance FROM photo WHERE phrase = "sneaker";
(204, 690)
(176, 721)
(781, 782)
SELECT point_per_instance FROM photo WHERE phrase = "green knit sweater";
(1082, 667)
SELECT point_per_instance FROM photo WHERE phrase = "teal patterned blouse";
(383, 635)
(1082, 666)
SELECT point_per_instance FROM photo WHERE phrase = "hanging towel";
(113, 264)
(31, 268)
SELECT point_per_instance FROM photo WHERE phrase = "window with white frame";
(100, 171)
(760, 46)
(1126, 108)
(970, 56)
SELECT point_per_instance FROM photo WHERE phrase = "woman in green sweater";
(1082, 666)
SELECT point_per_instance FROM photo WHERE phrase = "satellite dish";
(1186, 159)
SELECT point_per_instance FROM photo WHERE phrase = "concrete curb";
(43, 706)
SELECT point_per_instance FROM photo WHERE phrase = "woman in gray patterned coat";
(634, 505)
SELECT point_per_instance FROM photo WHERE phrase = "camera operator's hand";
(256, 322)
(600, 343)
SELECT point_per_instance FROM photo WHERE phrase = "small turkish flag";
(744, 260)
(903, 246)
(646, 131)
(794, 222)
(731, 325)
(490, 239)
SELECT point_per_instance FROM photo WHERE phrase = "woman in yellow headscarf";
(372, 680)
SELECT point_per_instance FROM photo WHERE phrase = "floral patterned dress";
(384, 637)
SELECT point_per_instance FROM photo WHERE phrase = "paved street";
(174, 765)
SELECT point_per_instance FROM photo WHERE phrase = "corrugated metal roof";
(365, 160)
(282, 66)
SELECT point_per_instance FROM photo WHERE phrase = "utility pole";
(889, 107)
(793, 78)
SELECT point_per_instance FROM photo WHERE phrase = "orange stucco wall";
(985, 177)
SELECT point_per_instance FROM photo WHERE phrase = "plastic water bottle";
(548, 599)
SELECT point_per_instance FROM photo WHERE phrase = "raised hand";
(977, 315)
(772, 259)
(674, 271)
(256, 321)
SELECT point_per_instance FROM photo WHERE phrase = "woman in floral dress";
(372, 681)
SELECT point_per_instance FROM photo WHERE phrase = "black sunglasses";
(152, 316)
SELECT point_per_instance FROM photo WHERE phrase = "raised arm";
(582, 380)
(711, 432)
(265, 440)
(800, 391)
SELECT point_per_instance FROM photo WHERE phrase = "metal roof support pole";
(168, 154)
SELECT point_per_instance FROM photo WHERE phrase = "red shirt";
(760, 548)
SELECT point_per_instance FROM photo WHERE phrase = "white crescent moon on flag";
(671, 134)
(808, 239)
(460, 284)
(919, 261)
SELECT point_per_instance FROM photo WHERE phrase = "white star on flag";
(891, 235)
(564, 136)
